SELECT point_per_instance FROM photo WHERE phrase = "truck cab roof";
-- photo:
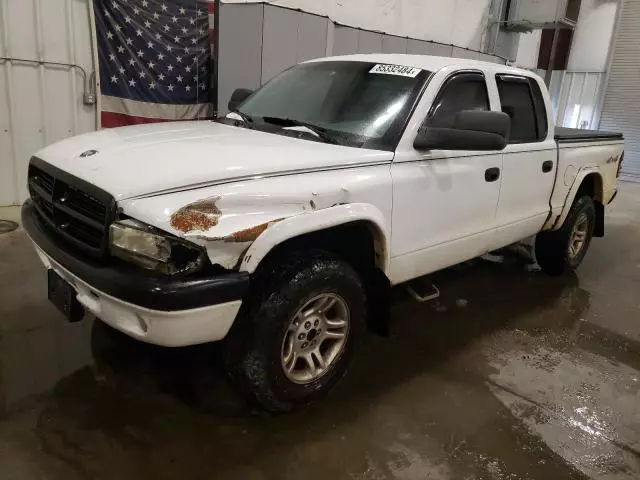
(426, 62)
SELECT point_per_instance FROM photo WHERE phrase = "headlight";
(138, 243)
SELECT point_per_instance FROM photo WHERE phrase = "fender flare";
(577, 183)
(313, 222)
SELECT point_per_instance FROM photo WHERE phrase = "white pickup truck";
(281, 227)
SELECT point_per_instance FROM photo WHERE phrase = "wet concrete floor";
(510, 375)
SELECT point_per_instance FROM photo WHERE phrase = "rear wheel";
(563, 250)
(294, 339)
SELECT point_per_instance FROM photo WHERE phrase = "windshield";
(360, 104)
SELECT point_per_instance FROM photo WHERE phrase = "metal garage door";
(621, 109)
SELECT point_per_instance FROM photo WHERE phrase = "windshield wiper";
(322, 133)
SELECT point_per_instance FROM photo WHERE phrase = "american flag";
(155, 60)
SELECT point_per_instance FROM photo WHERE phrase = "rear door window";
(517, 98)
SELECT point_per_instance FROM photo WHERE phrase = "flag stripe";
(112, 120)
(135, 108)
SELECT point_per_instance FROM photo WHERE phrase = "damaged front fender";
(319, 220)
(226, 225)
(238, 223)
(198, 216)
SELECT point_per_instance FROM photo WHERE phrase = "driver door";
(444, 201)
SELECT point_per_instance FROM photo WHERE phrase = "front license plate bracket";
(63, 296)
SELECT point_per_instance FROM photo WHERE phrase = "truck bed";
(578, 151)
(564, 134)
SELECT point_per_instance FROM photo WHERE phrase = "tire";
(557, 252)
(267, 336)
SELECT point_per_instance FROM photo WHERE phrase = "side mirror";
(238, 96)
(471, 130)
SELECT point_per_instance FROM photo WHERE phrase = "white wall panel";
(459, 22)
(279, 41)
(8, 180)
(485, 57)
(40, 104)
(259, 40)
(391, 44)
(469, 22)
(420, 47)
(240, 60)
(538, 11)
(369, 42)
(528, 49)
(592, 38)
(345, 40)
(312, 37)
(463, 53)
(289, 37)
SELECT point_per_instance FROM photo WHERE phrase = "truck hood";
(148, 159)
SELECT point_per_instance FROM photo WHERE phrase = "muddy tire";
(295, 335)
(562, 250)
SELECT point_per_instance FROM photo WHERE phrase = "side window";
(464, 91)
(517, 101)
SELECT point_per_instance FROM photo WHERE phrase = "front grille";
(76, 210)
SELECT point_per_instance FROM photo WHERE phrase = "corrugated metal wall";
(575, 97)
(39, 103)
(621, 108)
(257, 41)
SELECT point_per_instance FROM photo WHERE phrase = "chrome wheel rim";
(315, 338)
(578, 236)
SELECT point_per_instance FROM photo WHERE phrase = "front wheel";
(563, 250)
(294, 339)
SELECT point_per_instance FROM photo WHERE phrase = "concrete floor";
(511, 375)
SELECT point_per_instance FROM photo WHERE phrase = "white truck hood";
(147, 159)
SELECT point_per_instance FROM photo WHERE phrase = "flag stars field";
(156, 54)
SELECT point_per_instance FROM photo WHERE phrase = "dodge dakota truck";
(280, 228)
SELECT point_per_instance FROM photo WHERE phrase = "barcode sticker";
(395, 70)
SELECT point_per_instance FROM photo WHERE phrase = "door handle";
(547, 166)
(492, 174)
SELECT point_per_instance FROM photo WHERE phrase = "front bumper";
(168, 311)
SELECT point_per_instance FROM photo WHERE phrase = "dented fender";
(315, 221)
(238, 225)
(558, 216)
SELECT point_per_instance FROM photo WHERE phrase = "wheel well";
(362, 245)
(592, 186)
(358, 243)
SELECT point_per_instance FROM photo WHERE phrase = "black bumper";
(133, 284)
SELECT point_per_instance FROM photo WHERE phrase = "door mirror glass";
(471, 130)
(238, 96)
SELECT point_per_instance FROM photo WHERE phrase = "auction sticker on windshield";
(395, 70)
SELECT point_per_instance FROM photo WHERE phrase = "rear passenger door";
(444, 202)
(529, 160)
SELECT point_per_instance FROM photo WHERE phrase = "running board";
(429, 296)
